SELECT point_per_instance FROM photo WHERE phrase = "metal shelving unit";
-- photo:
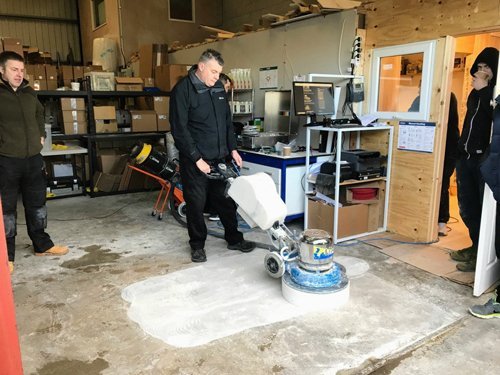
(92, 138)
(242, 93)
(340, 134)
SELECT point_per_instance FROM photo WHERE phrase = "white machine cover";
(258, 202)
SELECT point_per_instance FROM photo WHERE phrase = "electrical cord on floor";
(92, 217)
(351, 243)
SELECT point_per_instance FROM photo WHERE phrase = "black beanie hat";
(489, 56)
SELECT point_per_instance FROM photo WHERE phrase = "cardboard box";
(353, 219)
(107, 159)
(163, 123)
(129, 84)
(68, 104)
(105, 119)
(39, 72)
(166, 76)
(149, 82)
(101, 81)
(40, 84)
(14, 45)
(78, 72)
(74, 115)
(75, 127)
(29, 69)
(51, 72)
(161, 105)
(377, 185)
(143, 121)
(92, 68)
(151, 56)
(106, 182)
(66, 72)
(51, 84)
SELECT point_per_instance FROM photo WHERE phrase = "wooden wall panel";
(416, 177)
(392, 22)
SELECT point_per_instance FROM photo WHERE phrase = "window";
(181, 10)
(401, 81)
(98, 12)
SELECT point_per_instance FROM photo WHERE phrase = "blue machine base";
(333, 278)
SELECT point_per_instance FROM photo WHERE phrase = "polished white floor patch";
(224, 296)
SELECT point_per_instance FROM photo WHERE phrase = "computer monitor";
(313, 98)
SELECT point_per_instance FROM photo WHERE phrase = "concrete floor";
(72, 319)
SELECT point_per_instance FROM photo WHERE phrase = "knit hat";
(489, 56)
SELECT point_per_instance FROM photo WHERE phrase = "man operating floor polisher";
(310, 276)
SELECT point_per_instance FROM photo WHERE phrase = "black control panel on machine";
(364, 164)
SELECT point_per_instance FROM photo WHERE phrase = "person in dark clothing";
(22, 170)
(203, 133)
(491, 173)
(212, 213)
(473, 143)
(450, 160)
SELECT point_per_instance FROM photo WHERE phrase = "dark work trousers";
(197, 188)
(25, 176)
(444, 203)
(470, 185)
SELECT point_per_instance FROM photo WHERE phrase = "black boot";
(198, 256)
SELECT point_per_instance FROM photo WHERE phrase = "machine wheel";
(181, 210)
(178, 211)
(274, 264)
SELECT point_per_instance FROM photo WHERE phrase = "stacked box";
(143, 121)
(68, 104)
(161, 107)
(166, 76)
(159, 104)
(74, 116)
(151, 55)
(40, 80)
(66, 75)
(51, 76)
(105, 119)
(13, 44)
(129, 84)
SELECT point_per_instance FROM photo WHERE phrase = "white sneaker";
(443, 229)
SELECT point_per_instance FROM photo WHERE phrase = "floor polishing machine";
(305, 262)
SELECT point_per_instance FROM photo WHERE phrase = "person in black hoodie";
(472, 146)
(22, 170)
(203, 133)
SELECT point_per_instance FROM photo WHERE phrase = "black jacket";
(476, 130)
(452, 133)
(490, 169)
(21, 121)
(200, 118)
